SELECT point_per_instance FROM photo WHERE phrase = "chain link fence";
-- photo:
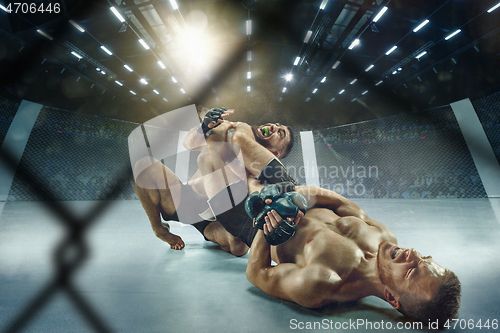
(8, 110)
(488, 111)
(75, 157)
(420, 155)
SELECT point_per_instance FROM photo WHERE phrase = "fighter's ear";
(392, 299)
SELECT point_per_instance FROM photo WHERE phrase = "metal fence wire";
(420, 155)
(71, 156)
(488, 112)
(75, 156)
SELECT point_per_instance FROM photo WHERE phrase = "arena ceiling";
(238, 54)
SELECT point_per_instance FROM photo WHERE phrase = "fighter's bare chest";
(340, 243)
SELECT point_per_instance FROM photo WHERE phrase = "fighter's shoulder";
(385, 232)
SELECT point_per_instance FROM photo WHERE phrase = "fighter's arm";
(310, 286)
(319, 197)
(195, 139)
(255, 156)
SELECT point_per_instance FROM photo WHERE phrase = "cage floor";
(132, 282)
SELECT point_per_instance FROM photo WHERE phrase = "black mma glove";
(286, 205)
(257, 200)
(212, 116)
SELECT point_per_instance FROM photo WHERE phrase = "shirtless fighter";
(157, 195)
(338, 254)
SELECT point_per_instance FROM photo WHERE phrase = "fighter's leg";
(217, 234)
(216, 174)
(154, 193)
(209, 160)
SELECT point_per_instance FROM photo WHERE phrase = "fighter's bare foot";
(175, 242)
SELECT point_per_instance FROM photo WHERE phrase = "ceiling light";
(248, 88)
(400, 69)
(133, 92)
(106, 50)
(98, 69)
(142, 99)
(44, 34)
(284, 90)
(143, 81)
(103, 73)
(323, 80)
(421, 55)
(354, 44)
(453, 34)
(379, 83)
(156, 91)
(288, 77)
(391, 50)
(119, 83)
(249, 75)
(365, 92)
(353, 100)
(249, 27)
(331, 100)
(308, 35)
(336, 64)
(161, 64)
(166, 100)
(369, 68)
(341, 92)
(421, 26)
(394, 73)
(183, 91)
(314, 91)
(173, 79)
(76, 26)
(353, 81)
(379, 15)
(323, 4)
(249, 55)
(308, 99)
(113, 9)
(493, 8)
(296, 61)
(174, 4)
(5, 9)
(146, 46)
(128, 68)
(76, 55)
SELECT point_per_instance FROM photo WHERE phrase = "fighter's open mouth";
(265, 131)
(395, 251)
